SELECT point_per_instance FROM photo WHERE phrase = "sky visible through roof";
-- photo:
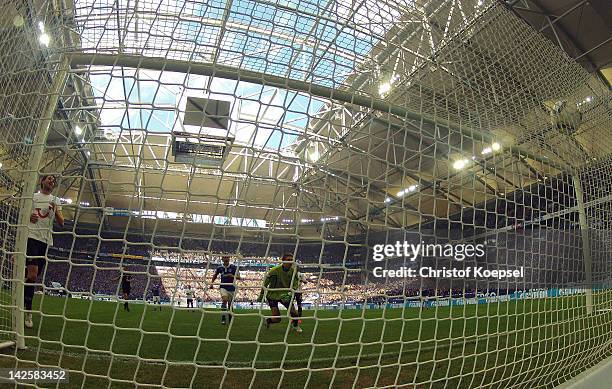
(319, 42)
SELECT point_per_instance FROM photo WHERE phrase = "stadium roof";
(334, 118)
(583, 29)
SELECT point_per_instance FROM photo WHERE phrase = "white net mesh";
(182, 131)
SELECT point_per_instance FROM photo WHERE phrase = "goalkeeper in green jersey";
(279, 286)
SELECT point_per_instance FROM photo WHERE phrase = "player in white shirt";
(299, 292)
(46, 209)
(189, 293)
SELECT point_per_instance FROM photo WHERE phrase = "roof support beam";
(345, 96)
(494, 172)
(555, 20)
(584, 53)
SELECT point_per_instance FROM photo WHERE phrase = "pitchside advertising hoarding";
(431, 302)
(408, 302)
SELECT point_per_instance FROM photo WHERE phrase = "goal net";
(438, 171)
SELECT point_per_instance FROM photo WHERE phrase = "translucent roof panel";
(264, 117)
(319, 42)
(322, 42)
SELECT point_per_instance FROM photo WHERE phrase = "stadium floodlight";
(44, 39)
(384, 88)
(314, 156)
(495, 146)
(460, 164)
(330, 218)
(405, 191)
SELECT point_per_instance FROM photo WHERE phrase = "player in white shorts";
(226, 295)
(190, 293)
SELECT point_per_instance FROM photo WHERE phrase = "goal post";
(586, 244)
(30, 184)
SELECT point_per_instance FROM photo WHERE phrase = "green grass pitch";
(466, 345)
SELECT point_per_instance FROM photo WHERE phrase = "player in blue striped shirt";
(229, 273)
